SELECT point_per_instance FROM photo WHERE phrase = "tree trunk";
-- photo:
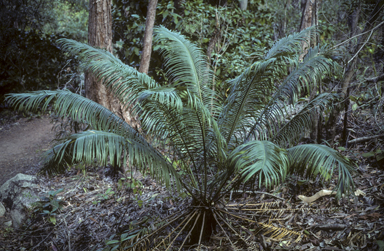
(308, 19)
(147, 46)
(350, 67)
(243, 4)
(352, 23)
(306, 22)
(100, 36)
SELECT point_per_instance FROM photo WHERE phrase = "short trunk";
(204, 227)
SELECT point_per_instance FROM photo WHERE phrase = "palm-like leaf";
(78, 108)
(264, 158)
(321, 160)
(107, 141)
(293, 130)
(253, 89)
(305, 75)
(291, 44)
(184, 62)
(125, 81)
(87, 147)
(247, 92)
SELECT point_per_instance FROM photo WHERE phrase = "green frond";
(125, 82)
(87, 147)
(314, 160)
(166, 96)
(185, 62)
(66, 103)
(305, 75)
(248, 93)
(291, 44)
(101, 147)
(292, 131)
(245, 112)
(77, 107)
(189, 74)
(262, 158)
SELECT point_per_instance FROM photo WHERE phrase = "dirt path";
(21, 146)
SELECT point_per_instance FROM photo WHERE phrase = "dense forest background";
(39, 52)
(231, 35)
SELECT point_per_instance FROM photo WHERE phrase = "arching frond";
(166, 96)
(314, 160)
(247, 94)
(290, 133)
(261, 158)
(290, 44)
(125, 82)
(66, 103)
(254, 88)
(79, 108)
(305, 75)
(87, 147)
(106, 147)
(185, 63)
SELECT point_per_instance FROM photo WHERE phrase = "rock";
(2, 210)
(18, 195)
(8, 223)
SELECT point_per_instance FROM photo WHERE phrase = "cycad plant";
(215, 146)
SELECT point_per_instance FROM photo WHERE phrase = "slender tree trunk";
(306, 22)
(100, 36)
(147, 46)
(352, 23)
(350, 68)
(308, 19)
(214, 39)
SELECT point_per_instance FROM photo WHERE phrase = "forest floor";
(98, 204)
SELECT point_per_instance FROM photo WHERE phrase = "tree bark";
(306, 22)
(100, 36)
(147, 45)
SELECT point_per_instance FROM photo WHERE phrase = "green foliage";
(104, 196)
(214, 146)
(30, 57)
(25, 15)
(244, 34)
(70, 18)
(130, 183)
(32, 61)
(49, 205)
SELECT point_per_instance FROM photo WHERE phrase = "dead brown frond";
(280, 233)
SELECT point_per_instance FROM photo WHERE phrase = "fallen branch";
(365, 138)
(322, 193)
(376, 79)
